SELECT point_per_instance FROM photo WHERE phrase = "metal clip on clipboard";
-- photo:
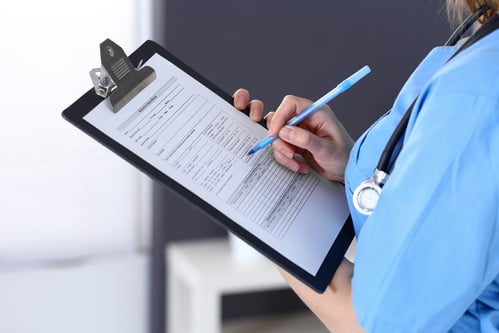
(117, 78)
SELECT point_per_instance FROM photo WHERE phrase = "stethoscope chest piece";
(366, 195)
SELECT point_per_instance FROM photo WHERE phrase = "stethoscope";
(366, 195)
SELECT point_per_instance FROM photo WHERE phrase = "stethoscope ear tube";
(466, 25)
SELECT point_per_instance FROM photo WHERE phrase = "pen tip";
(251, 152)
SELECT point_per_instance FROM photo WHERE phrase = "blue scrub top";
(427, 259)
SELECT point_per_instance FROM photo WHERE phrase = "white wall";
(74, 218)
(62, 195)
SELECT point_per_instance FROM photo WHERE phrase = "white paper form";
(198, 139)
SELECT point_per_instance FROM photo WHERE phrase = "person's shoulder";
(465, 90)
(476, 69)
(472, 75)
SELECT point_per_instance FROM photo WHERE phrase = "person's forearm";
(333, 307)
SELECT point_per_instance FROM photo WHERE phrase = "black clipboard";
(76, 112)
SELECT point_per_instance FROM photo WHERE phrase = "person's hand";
(320, 141)
(242, 101)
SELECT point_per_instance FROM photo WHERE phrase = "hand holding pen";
(312, 108)
(320, 139)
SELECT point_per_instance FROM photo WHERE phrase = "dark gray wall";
(279, 47)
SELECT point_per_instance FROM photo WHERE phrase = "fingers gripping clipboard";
(182, 131)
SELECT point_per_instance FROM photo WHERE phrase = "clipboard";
(123, 80)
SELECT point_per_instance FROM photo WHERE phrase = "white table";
(200, 272)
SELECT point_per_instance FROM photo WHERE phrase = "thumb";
(303, 139)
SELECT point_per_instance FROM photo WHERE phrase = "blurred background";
(84, 237)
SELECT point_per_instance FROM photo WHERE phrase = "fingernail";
(268, 114)
(252, 114)
(285, 133)
(238, 101)
(293, 167)
(303, 169)
(271, 129)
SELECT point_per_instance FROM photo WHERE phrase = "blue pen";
(340, 88)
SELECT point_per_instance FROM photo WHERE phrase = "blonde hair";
(458, 9)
